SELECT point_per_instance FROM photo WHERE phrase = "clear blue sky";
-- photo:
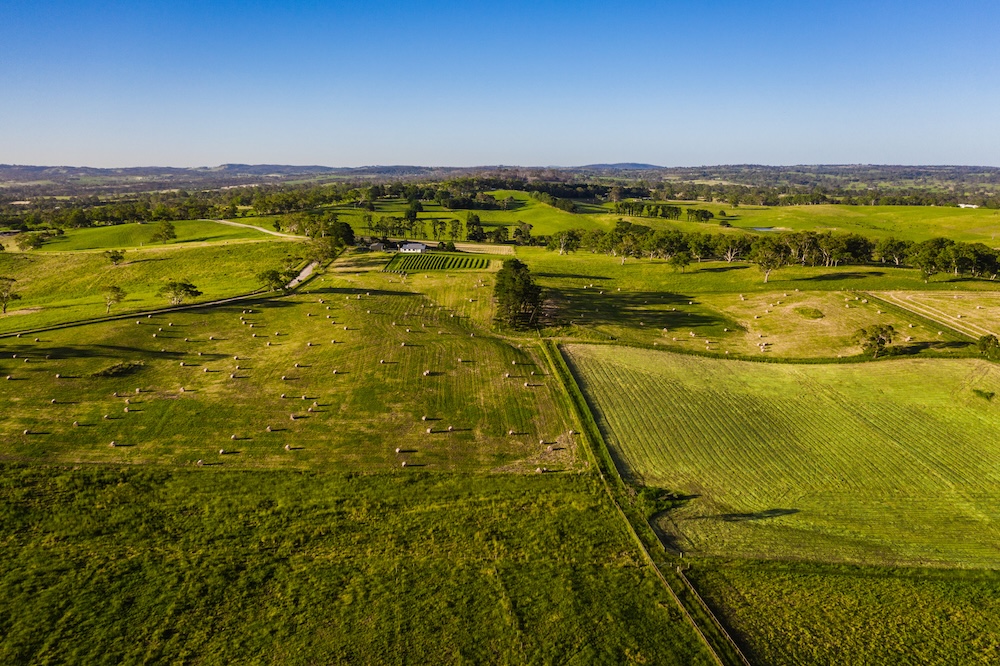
(519, 83)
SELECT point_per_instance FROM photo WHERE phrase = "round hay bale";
(182, 389)
(451, 428)
(430, 430)
(126, 410)
(53, 401)
(542, 443)
(402, 344)
(113, 444)
(506, 375)
(76, 424)
(284, 378)
(127, 401)
(282, 395)
(268, 343)
(233, 437)
(205, 370)
(232, 376)
(154, 335)
(107, 417)
(292, 416)
(525, 384)
(334, 371)
(222, 452)
(381, 361)
(182, 364)
(345, 328)
(510, 432)
(310, 410)
(404, 463)
(288, 447)
(267, 429)
(427, 373)
(199, 353)
(200, 462)
(296, 365)
(423, 418)
(211, 337)
(58, 376)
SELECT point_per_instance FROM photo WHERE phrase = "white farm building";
(413, 248)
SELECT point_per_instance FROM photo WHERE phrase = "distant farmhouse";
(968, 206)
(413, 248)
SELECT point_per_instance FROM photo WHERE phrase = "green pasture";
(138, 235)
(360, 356)
(61, 287)
(892, 463)
(645, 302)
(817, 614)
(110, 565)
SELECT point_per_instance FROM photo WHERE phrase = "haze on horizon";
(112, 84)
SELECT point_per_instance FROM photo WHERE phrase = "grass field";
(108, 565)
(815, 614)
(380, 336)
(60, 287)
(436, 261)
(595, 297)
(975, 314)
(914, 223)
(891, 463)
(135, 235)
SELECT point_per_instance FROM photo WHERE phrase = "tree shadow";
(756, 515)
(846, 275)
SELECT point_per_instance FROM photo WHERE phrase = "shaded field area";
(356, 371)
(107, 565)
(817, 614)
(892, 463)
(58, 287)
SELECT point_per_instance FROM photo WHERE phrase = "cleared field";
(803, 312)
(136, 235)
(436, 261)
(892, 463)
(60, 287)
(975, 314)
(108, 565)
(809, 614)
(359, 356)
(914, 223)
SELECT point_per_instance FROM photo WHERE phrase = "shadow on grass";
(649, 309)
(722, 269)
(851, 275)
(756, 515)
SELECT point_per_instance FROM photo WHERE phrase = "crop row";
(436, 262)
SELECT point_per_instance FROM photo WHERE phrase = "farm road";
(250, 226)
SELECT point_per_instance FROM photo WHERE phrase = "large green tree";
(516, 293)
(874, 339)
(177, 290)
(113, 294)
(164, 232)
(7, 293)
(769, 253)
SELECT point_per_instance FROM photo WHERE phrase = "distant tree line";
(773, 250)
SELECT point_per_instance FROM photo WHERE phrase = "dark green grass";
(436, 261)
(115, 565)
(818, 614)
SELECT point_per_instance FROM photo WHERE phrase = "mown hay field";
(894, 463)
(110, 565)
(436, 261)
(360, 357)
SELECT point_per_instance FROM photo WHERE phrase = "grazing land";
(889, 463)
(61, 287)
(113, 564)
(140, 235)
(818, 614)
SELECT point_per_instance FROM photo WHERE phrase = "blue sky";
(519, 83)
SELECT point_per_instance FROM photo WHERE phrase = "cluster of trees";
(643, 209)
(773, 250)
(557, 202)
(518, 297)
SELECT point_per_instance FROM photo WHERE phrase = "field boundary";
(721, 642)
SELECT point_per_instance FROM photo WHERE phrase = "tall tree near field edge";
(515, 292)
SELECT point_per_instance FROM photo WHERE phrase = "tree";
(113, 294)
(680, 260)
(874, 339)
(7, 293)
(28, 241)
(275, 280)
(177, 290)
(325, 248)
(115, 256)
(769, 253)
(565, 241)
(515, 292)
(989, 347)
(164, 232)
